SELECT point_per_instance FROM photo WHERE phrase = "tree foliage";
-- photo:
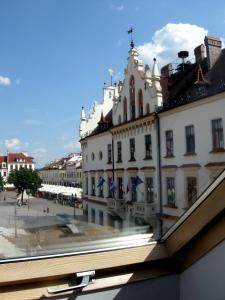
(25, 179)
(1, 183)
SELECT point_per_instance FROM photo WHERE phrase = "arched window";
(140, 103)
(125, 109)
(132, 98)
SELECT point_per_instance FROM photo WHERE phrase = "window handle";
(87, 277)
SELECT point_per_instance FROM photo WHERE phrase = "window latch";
(87, 278)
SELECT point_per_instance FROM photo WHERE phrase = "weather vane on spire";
(130, 31)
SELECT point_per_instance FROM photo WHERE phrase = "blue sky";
(54, 57)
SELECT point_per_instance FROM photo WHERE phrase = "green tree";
(25, 179)
(1, 183)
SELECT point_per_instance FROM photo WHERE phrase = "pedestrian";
(47, 210)
(4, 198)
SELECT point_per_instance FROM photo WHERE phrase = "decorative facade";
(158, 145)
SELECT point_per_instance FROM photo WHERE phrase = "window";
(149, 189)
(217, 134)
(92, 156)
(11, 167)
(119, 151)
(132, 98)
(93, 186)
(86, 185)
(140, 103)
(148, 146)
(119, 119)
(109, 153)
(100, 189)
(100, 155)
(92, 215)
(191, 190)
(120, 187)
(110, 194)
(133, 189)
(190, 139)
(4, 174)
(170, 190)
(132, 149)
(100, 217)
(169, 143)
(125, 109)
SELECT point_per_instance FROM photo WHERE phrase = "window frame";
(23, 271)
(169, 143)
(217, 134)
(148, 146)
(190, 139)
(132, 149)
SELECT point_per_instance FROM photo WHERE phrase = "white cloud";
(118, 7)
(40, 153)
(32, 122)
(13, 144)
(171, 39)
(5, 80)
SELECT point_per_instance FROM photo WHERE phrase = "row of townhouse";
(164, 130)
(65, 171)
(15, 161)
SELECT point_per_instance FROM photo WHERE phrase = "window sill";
(220, 150)
(119, 161)
(132, 159)
(169, 156)
(190, 154)
(147, 158)
(170, 206)
(109, 162)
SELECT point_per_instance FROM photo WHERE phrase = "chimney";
(213, 50)
(166, 73)
(199, 54)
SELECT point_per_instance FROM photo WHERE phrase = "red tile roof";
(3, 159)
(12, 158)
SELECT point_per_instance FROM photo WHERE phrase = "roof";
(12, 157)
(192, 81)
(3, 159)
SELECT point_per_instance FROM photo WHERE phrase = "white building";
(167, 131)
(64, 171)
(15, 161)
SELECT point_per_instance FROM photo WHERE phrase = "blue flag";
(138, 180)
(101, 181)
(112, 187)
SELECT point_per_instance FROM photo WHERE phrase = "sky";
(54, 57)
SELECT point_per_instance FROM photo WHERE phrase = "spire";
(82, 115)
(130, 31)
(155, 70)
(147, 72)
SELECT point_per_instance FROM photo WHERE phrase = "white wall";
(205, 279)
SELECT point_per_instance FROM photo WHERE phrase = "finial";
(130, 31)
(111, 72)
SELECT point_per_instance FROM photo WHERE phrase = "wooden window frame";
(198, 231)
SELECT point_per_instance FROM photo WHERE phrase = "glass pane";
(119, 171)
